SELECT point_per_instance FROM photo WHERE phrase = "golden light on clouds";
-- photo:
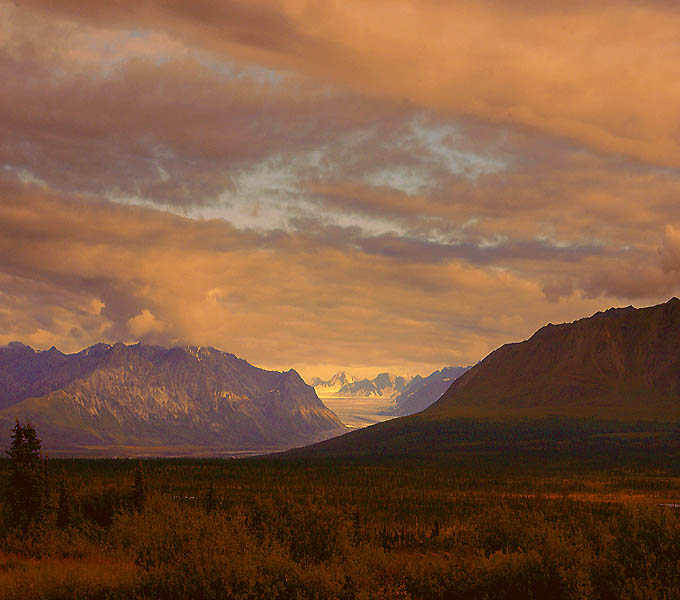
(400, 185)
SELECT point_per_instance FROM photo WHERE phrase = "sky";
(321, 184)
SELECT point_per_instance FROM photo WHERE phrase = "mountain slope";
(421, 392)
(152, 396)
(620, 363)
(600, 382)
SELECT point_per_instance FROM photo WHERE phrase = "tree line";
(27, 498)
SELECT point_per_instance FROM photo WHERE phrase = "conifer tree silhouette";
(25, 494)
(64, 509)
(211, 499)
(139, 489)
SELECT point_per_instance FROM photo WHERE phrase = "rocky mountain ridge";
(599, 384)
(144, 395)
(332, 385)
(383, 385)
(421, 392)
(623, 361)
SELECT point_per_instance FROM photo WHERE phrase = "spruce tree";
(64, 510)
(211, 499)
(25, 492)
(435, 529)
(139, 489)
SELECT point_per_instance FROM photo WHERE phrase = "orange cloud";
(96, 271)
(604, 74)
(391, 183)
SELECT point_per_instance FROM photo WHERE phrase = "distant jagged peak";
(610, 315)
(421, 392)
(96, 348)
(339, 377)
(384, 384)
(15, 346)
(386, 379)
(147, 394)
(337, 380)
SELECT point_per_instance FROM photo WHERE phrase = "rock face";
(145, 395)
(421, 392)
(621, 363)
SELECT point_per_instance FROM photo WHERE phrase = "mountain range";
(384, 385)
(612, 376)
(421, 392)
(117, 396)
(402, 395)
(332, 385)
(614, 373)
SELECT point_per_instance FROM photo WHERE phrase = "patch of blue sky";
(236, 70)
(116, 49)
(493, 242)
(270, 195)
(443, 233)
(261, 198)
(267, 212)
(556, 243)
(112, 51)
(25, 175)
(437, 149)
(370, 225)
(133, 200)
(138, 33)
(446, 147)
(410, 180)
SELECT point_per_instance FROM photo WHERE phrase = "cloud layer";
(396, 185)
(600, 74)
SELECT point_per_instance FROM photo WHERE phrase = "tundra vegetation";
(473, 524)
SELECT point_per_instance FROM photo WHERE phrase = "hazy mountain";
(421, 392)
(333, 385)
(596, 379)
(144, 395)
(384, 385)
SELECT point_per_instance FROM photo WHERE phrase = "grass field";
(465, 526)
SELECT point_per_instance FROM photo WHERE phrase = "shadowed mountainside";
(622, 363)
(613, 376)
(149, 396)
(421, 392)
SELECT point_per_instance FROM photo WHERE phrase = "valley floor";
(461, 527)
(355, 412)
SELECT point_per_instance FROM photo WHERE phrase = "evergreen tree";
(64, 510)
(25, 492)
(46, 484)
(211, 499)
(139, 489)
